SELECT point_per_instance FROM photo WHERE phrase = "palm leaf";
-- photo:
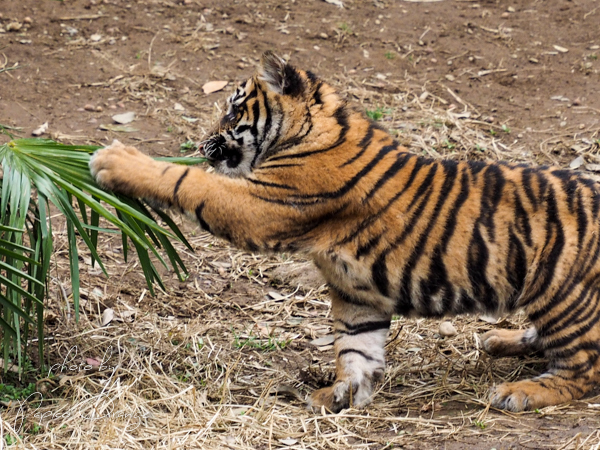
(59, 175)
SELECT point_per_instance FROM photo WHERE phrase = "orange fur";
(393, 233)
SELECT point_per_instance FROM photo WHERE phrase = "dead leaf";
(325, 340)
(124, 118)
(213, 86)
(560, 49)
(107, 316)
(577, 163)
(117, 128)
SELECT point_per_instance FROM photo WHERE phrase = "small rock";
(95, 37)
(27, 20)
(534, 60)
(505, 15)
(112, 107)
(89, 107)
(323, 36)
(577, 102)
(99, 109)
(14, 26)
(563, 123)
(447, 329)
(40, 130)
(511, 9)
(178, 107)
(121, 105)
(450, 77)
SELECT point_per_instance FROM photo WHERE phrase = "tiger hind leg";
(360, 335)
(573, 349)
(510, 342)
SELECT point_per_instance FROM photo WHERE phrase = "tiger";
(298, 169)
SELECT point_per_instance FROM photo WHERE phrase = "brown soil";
(521, 75)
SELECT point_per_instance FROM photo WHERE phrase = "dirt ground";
(491, 79)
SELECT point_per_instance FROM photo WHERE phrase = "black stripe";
(358, 352)
(200, 218)
(453, 214)
(437, 279)
(398, 165)
(367, 246)
(341, 115)
(582, 220)
(516, 267)
(178, 184)
(379, 269)
(347, 298)
(363, 145)
(266, 128)
(383, 151)
(299, 229)
(364, 327)
(522, 220)
(527, 187)
(477, 261)
(493, 185)
(545, 271)
(277, 166)
(269, 184)
(419, 163)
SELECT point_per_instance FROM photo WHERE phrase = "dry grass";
(224, 359)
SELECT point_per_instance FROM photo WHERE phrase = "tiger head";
(266, 113)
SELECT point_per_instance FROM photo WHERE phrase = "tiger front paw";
(341, 395)
(117, 167)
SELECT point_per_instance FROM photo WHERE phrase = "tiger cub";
(298, 170)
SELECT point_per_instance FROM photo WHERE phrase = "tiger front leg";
(360, 335)
(124, 169)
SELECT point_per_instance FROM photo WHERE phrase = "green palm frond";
(38, 173)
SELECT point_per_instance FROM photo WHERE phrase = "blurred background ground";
(224, 359)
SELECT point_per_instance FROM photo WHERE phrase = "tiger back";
(299, 170)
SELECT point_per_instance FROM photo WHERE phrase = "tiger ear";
(280, 76)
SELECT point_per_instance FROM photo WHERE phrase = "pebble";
(323, 36)
(99, 109)
(14, 26)
(89, 107)
(505, 15)
(511, 9)
(121, 105)
(27, 20)
(447, 329)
